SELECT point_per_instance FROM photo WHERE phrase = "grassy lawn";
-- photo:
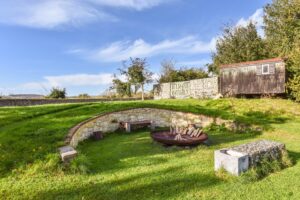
(131, 166)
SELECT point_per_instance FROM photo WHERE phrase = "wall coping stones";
(67, 153)
(32, 102)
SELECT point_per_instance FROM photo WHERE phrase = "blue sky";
(79, 44)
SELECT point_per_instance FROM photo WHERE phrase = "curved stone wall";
(160, 117)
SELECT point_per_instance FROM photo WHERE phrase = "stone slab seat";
(128, 124)
(67, 153)
(240, 158)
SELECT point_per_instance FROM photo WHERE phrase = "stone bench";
(129, 125)
(240, 158)
(67, 153)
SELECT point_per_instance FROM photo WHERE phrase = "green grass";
(131, 166)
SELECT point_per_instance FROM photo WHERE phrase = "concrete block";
(232, 161)
(67, 153)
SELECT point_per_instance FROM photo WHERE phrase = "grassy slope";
(131, 166)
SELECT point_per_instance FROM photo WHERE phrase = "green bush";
(80, 165)
(57, 93)
(294, 88)
(267, 166)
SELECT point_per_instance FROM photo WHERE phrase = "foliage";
(80, 165)
(282, 28)
(238, 44)
(294, 87)
(137, 74)
(122, 88)
(266, 167)
(57, 93)
(170, 74)
(84, 96)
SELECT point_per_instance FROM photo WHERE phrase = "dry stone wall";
(159, 117)
(198, 88)
(33, 102)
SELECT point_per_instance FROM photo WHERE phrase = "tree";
(238, 44)
(282, 26)
(282, 29)
(122, 88)
(137, 73)
(57, 93)
(84, 96)
(170, 74)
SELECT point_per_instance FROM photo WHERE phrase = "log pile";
(191, 131)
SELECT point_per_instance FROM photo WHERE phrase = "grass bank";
(131, 166)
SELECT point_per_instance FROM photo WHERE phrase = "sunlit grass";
(131, 166)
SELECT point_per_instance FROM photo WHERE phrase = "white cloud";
(134, 4)
(79, 80)
(51, 14)
(122, 50)
(256, 18)
(71, 80)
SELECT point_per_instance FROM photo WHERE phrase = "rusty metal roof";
(252, 62)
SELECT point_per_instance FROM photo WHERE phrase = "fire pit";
(180, 137)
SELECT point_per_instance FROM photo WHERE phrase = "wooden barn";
(253, 78)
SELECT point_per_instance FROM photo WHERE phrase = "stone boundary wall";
(33, 102)
(198, 88)
(160, 118)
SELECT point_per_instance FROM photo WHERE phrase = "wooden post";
(127, 127)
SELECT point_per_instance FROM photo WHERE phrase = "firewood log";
(178, 137)
(177, 129)
(185, 131)
(190, 130)
(199, 132)
(194, 133)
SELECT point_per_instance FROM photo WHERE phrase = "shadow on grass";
(163, 184)
(25, 138)
(122, 150)
(295, 156)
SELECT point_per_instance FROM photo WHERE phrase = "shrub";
(294, 88)
(265, 167)
(57, 93)
(79, 165)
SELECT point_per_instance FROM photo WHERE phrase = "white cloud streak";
(122, 50)
(133, 4)
(62, 81)
(256, 18)
(50, 14)
(71, 80)
(80, 80)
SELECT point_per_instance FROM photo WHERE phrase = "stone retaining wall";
(160, 117)
(198, 88)
(32, 102)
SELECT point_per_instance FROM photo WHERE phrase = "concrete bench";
(67, 153)
(127, 125)
(240, 158)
